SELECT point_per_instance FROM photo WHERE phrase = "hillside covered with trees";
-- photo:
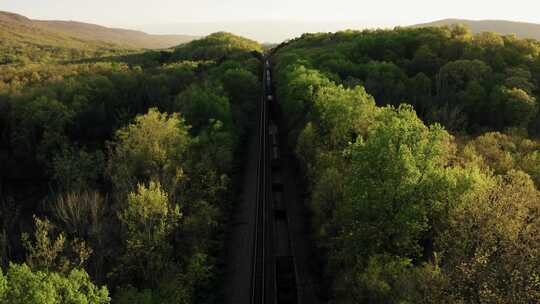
(118, 172)
(421, 155)
(23, 40)
(419, 149)
(521, 29)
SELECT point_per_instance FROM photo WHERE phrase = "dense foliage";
(215, 47)
(404, 211)
(120, 172)
(22, 41)
(22, 285)
(467, 83)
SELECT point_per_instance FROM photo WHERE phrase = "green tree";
(200, 104)
(425, 61)
(515, 107)
(298, 95)
(21, 285)
(520, 106)
(153, 148)
(149, 219)
(489, 40)
(419, 90)
(520, 78)
(3, 285)
(393, 184)
(41, 127)
(216, 46)
(243, 88)
(396, 185)
(454, 77)
(490, 249)
(497, 151)
(50, 250)
(76, 170)
(386, 82)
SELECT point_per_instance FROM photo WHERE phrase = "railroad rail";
(274, 274)
(259, 257)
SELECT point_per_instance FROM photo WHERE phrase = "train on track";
(274, 275)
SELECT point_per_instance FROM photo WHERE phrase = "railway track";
(274, 275)
(258, 282)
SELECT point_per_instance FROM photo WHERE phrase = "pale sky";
(155, 15)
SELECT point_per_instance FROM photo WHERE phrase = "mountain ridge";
(88, 31)
(503, 27)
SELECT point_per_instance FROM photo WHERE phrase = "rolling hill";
(521, 29)
(129, 38)
(72, 30)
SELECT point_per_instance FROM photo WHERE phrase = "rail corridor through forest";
(269, 249)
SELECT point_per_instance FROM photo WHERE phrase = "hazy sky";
(149, 14)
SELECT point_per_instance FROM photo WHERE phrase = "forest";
(419, 149)
(118, 171)
(421, 154)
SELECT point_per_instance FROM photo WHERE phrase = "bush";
(21, 285)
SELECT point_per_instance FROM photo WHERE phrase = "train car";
(286, 280)
(274, 140)
(275, 153)
(280, 212)
(272, 131)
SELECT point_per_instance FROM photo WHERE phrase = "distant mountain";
(90, 32)
(265, 31)
(521, 29)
